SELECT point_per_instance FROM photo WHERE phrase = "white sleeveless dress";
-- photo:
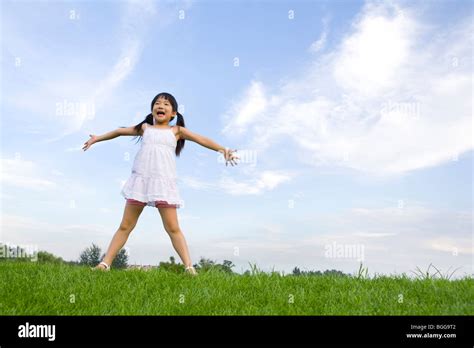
(154, 169)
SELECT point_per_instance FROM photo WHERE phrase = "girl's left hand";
(230, 157)
(88, 143)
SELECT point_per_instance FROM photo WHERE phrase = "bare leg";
(130, 217)
(170, 223)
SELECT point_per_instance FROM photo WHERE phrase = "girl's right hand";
(230, 157)
(89, 142)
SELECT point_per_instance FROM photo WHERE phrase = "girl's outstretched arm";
(229, 155)
(110, 135)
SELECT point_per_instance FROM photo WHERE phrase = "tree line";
(92, 255)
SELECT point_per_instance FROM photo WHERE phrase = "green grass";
(49, 289)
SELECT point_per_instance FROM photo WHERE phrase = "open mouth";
(160, 113)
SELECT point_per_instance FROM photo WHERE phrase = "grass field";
(59, 289)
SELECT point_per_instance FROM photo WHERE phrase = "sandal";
(107, 267)
(191, 270)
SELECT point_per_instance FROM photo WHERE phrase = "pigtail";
(149, 120)
(180, 123)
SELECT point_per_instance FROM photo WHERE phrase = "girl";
(153, 178)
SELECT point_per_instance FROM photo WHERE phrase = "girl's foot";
(102, 266)
(190, 270)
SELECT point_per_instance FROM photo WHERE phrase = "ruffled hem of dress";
(151, 200)
(136, 185)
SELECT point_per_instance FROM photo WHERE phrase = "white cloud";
(450, 245)
(39, 178)
(21, 226)
(265, 181)
(195, 183)
(90, 228)
(25, 174)
(11, 222)
(319, 44)
(247, 110)
(74, 149)
(394, 96)
(370, 58)
(374, 235)
(259, 183)
(413, 221)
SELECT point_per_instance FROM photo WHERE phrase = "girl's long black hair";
(179, 122)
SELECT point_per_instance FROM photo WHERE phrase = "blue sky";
(353, 120)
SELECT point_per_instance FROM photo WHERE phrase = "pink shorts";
(158, 204)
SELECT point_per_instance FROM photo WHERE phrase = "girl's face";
(163, 111)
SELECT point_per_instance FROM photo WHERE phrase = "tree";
(121, 260)
(171, 266)
(73, 263)
(333, 272)
(90, 256)
(45, 257)
(296, 271)
(205, 265)
(227, 266)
